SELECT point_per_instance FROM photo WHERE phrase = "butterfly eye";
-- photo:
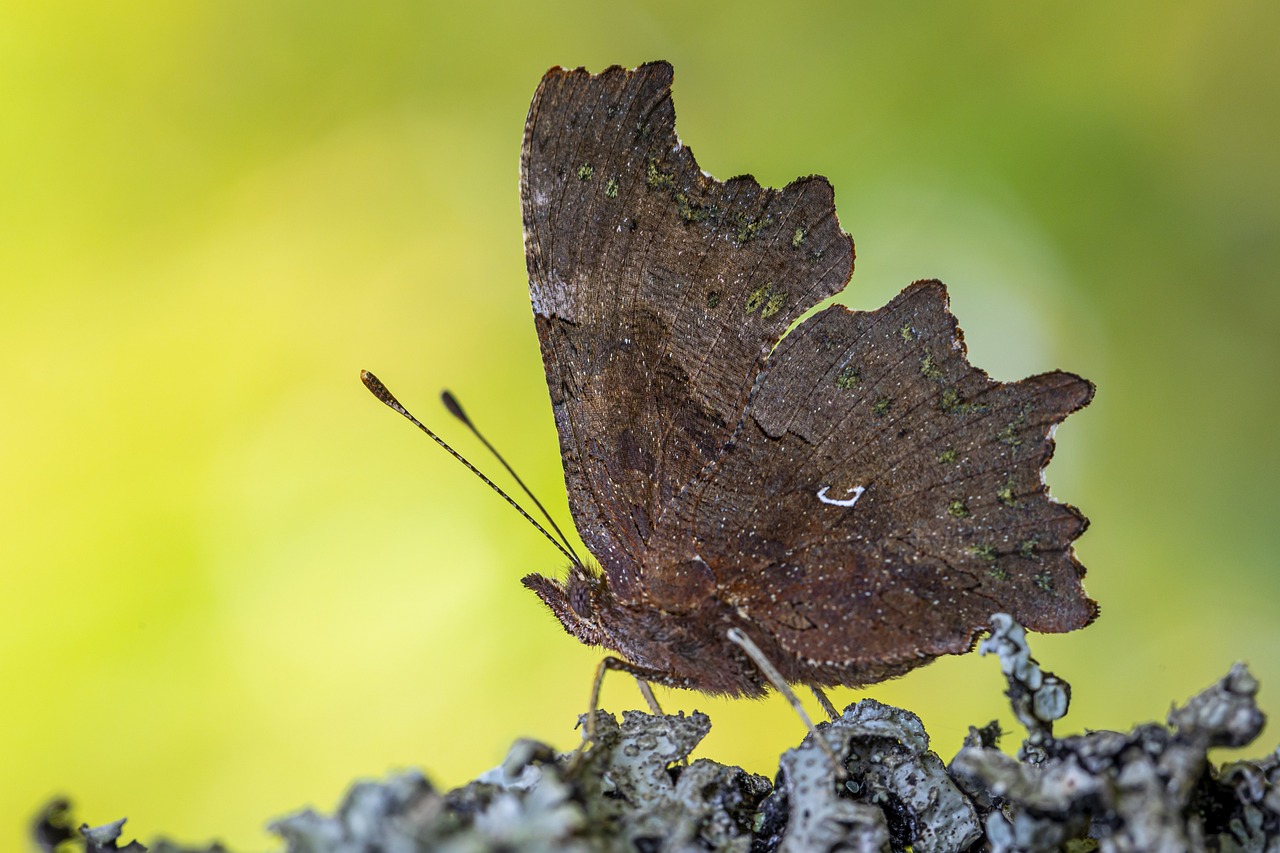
(579, 596)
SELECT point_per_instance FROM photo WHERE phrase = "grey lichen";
(633, 788)
(1038, 697)
(1150, 789)
(638, 797)
(629, 791)
(891, 790)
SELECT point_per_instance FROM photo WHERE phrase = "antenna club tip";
(451, 403)
(375, 386)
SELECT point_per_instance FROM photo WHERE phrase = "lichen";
(633, 787)
(889, 792)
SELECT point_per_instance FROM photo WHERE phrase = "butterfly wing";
(883, 497)
(657, 293)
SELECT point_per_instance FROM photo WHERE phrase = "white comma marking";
(856, 491)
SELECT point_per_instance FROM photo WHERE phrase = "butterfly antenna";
(455, 408)
(380, 391)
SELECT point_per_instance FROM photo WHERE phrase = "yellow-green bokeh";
(232, 581)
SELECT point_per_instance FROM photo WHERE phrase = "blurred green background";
(232, 581)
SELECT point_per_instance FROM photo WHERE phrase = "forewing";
(884, 497)
(657, 292)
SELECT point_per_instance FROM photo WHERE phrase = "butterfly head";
(577, 601)
(678, 649)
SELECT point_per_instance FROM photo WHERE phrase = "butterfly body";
(857, 498)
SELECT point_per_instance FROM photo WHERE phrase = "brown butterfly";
(834, 508)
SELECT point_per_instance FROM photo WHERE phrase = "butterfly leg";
(642, 677)
(737, 636)
(654, 707)
(608, 663)
(825, 702)
(647, 692)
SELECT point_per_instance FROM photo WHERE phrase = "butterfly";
(855, 499)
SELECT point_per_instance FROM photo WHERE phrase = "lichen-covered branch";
(1149, 789)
